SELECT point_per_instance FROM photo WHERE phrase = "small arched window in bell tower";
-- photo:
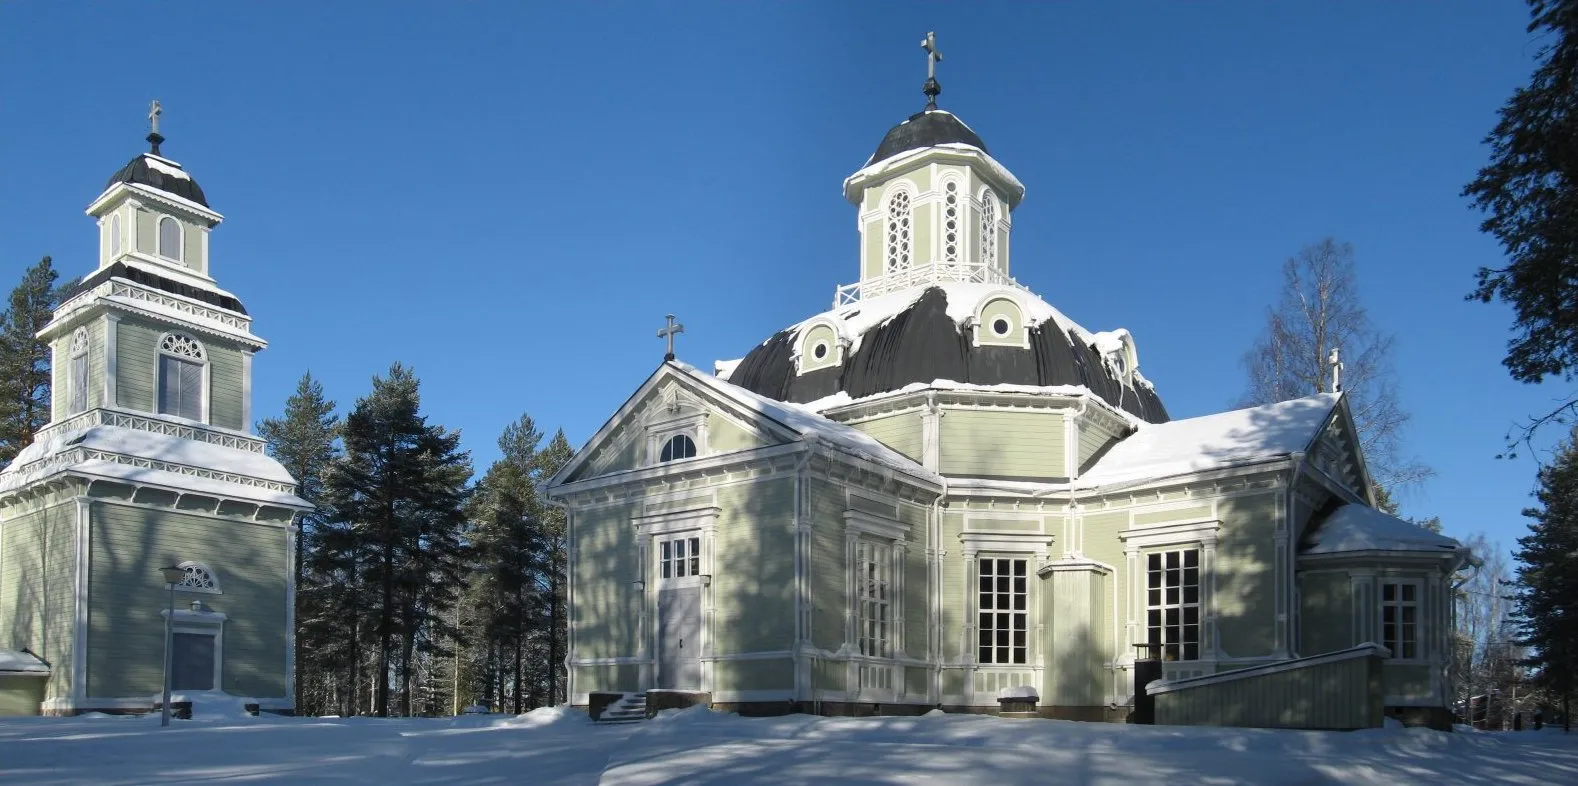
(77, 385)
(170, 238)
(989, 229)
(899, 234)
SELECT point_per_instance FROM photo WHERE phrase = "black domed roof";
(923, 343)
(161, 173)
(926, 129)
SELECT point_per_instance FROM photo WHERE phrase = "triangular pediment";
(671, 404)
(1337, 453)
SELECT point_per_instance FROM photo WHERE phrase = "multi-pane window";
(170, 238)
(77, 385)
(1004, 616)
(1400, 619)
(678, 446)
(989, 229)
(181, 361)
(873, 589)
(898, 253)
(1173, 602)
(679, 557)
(950, 221)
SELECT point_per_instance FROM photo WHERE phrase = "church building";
(942, 491)
(148, 461)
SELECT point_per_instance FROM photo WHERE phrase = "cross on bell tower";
(669, 332)
(154, 137)
(933, 56)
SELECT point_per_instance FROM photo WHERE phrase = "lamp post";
(172, 576)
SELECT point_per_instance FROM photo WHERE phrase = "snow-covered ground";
(552, 746)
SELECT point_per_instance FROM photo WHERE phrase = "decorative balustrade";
(155, 425)
(920, 275)
(137, 292)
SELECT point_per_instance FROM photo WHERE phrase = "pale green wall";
(827, 564)
(126, 595)
(1405, 680)
(1245, 590)
(1091, 442)
(38, 577)
(901, 432)
(1325, 612)
(916, 580)
(723, 436)
(21, 695)
(59, 369)
(1080, 647)
(740, 675)
(606, 605)
(192, 246)
(753, 584)
(224, 384)
(137, 352)
(612, 677)
(147, 231)
(1005, 309)
(977, 443)
(817, 335)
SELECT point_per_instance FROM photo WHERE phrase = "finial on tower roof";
(933, 57)
(154, 138)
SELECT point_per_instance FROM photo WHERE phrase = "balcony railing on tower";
(921, 275)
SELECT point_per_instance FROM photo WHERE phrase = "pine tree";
(397, 498)
(25, 360)
(549, 461)
(303, 441)
(1529, 191)
(1547, 587)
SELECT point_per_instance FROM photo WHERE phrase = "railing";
(918, 275)
(137, 292)
(193, 431)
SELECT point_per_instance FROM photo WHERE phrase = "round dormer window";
(1001, 326)
(820, 350)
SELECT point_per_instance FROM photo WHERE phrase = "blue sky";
(508, 197)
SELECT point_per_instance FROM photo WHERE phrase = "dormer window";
(679, 446)
(77, 385)
(182, 366)
(170, 238)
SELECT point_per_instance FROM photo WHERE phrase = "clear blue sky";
(509, 196)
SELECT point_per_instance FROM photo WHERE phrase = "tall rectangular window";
(1173, 603)
(180, 387)
(679, 557)
(874, 597)
(1400, 619)
(78, 384)
(1004, 611)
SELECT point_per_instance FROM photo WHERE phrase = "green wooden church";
(148, 461)
(943, 492)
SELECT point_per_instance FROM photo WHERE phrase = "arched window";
(198, 578)
(950, 221)
(678, 446)
(170, 238)
(115, 234)
(898, 231)
(989, 229)
(77, 385)
(181, 364)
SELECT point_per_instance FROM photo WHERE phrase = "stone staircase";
(631, 708)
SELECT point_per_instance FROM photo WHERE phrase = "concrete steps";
(631, 708)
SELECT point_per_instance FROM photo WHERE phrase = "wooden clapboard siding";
(1337, 694)
(1002, 444)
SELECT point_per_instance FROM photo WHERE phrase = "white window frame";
(1159, 600)
(874, 602)
(1417, 604)
(1173, 535)
(874, 677)
(115, 236)
(180, 239)
(77, 373)
(678, 422)
(201, 357)
(991, 220)
(898, 245)
(1018, 653)
(679, 556)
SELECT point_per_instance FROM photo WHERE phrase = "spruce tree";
(1547, 587)
(303, 441)
(548, 462)
(397, 498)
(25, 359)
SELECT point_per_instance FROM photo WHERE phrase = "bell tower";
(933, 205)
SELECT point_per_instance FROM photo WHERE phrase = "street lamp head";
(173, 575)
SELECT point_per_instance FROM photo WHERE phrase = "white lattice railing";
(186, 469)
(137, 292)
(198, 432)
(920, 275)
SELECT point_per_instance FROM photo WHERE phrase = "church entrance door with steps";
(679, 638)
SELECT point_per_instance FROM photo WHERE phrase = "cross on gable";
(669, 332)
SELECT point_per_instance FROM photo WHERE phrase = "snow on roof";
(856, 319)
(723, 369)
(807, 423)
(1159, 450)
(12, 661)
(1355, 527)
(842, 398)
(176, 480)
(166, 166)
